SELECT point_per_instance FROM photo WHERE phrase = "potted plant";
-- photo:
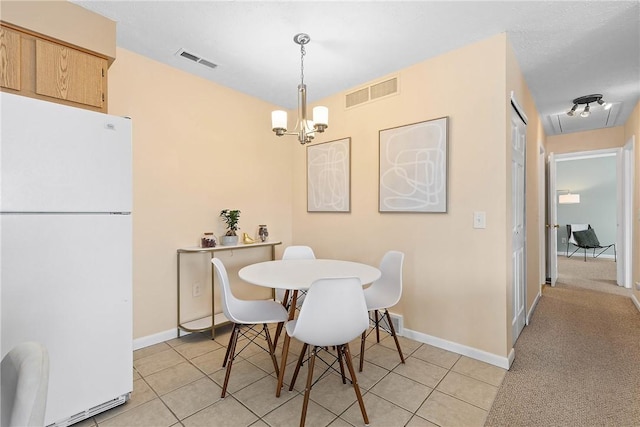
(231, 218)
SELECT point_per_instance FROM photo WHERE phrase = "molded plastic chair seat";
(382, 294)
(246, 314)
(251, 312)
(25, 383)
(334, 313)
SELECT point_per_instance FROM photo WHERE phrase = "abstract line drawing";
(413, 167)
(329, 176)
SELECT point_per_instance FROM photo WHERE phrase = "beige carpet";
(597, 274)
(577, 363)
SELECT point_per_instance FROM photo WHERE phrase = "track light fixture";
(587, 99)
(305, 129)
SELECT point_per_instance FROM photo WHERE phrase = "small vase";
(229, 240)
(263, 233)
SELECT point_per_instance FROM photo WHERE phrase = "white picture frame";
(413, 167)
(329, 176)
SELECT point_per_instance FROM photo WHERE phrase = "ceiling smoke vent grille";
(371, 93)
(195, 58)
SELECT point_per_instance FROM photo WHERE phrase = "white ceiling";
(566, 49)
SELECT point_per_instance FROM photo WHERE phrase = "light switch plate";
(479, 220)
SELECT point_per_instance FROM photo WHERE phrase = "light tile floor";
(178, 383)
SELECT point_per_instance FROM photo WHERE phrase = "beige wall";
(197, 148)
(455, 277)
(632, 129)
(586, 141)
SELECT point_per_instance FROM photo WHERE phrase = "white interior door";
(518, 147)
(552, 223)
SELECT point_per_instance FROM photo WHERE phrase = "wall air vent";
(384, 88)
(357, 97)
(195, 58)
(372, 92)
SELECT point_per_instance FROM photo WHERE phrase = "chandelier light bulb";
(586, 112)
(572, 112)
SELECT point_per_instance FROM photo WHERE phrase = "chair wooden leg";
(226, 356)
(354, 381)
(285, 304)
(272, 348)
(362, 341)
(298, 365)
(393, 334)
(283, 363)
(277, 334)
(377, 325)
(339, 351)
(307, 390)
(231, 353)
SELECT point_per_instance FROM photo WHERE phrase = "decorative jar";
(208, 240)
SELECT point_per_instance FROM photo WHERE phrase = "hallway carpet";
(576, 364)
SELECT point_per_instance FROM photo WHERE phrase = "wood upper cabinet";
(65, 73)
(37, 67)
(9, 59)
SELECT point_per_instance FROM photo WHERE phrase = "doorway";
(598, 182)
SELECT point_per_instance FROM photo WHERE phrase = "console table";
(211, 322)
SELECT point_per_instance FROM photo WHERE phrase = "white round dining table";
(299, 274)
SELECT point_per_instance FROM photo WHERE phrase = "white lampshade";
(278, 119)
(321, 115)
(564, 199)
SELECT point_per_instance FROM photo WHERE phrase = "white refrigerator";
(66, 250)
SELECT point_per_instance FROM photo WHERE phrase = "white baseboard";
(474, 353)
(533, 307)
(635, 301)
(167, 335)
(483, 356)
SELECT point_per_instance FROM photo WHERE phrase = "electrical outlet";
(564, 240)
(196, 290)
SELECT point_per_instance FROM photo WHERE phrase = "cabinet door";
(9, 59)
(69, 74)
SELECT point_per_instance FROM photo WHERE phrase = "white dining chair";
(344, 299)
(283, 295)
(294, 252)
(25, 383)
(245, 316)
(382, 294)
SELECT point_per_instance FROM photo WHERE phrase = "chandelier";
(305, 129)
(587, 99)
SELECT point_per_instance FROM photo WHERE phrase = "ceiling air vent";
(372, 92)
(195, 58)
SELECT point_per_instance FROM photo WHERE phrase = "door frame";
(622, 204)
